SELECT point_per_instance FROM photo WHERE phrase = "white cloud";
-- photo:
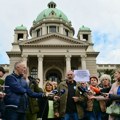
(102, 16)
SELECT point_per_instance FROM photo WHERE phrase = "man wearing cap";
(2, 72)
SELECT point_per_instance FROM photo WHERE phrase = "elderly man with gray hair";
(16, 100)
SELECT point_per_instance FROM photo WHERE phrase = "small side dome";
(83, 28)
(21, 27)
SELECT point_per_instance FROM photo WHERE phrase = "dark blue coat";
(17, 91)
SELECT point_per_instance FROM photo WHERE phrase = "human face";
(20, 68)
(25, 73)
(37, 81)
(1, 74)
(93, 81)
(49, 87)
(70, 76)
(117, 76)
(84, 84)
(105, 82)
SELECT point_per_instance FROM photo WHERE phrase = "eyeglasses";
(83, 83)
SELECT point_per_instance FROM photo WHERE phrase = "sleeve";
(112, 88)
(14, 85)
(37, 88)
(32, 94)
(114, 97)
(56, 103)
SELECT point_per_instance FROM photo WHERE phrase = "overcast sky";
(101, 16)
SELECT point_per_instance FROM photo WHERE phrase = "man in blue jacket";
(16, 101)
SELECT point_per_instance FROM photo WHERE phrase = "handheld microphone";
(95, 89)
(82, 89)
(54, 91)
(62, 92)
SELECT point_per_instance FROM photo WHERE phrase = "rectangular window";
(66, 32)
(52, 29)
(85, 36)
(38, 32)
(20, 36)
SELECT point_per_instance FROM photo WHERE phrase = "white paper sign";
(82, 75)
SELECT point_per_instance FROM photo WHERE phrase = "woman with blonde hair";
(47, 104)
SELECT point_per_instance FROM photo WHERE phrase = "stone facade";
(52, 50)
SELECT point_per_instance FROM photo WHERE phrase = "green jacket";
(60, 106)
(33, 102)
(1, 83)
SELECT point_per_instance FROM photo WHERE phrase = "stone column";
(44, 29)
(40, 69)
(81, 37)
(89, 38)
(34, 34)
(83, 62)
(24, 59)
(15, 38)
(25, 36)
(61, 29)
(68, 63)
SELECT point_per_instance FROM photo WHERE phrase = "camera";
(32, 80)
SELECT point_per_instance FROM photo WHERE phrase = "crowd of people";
(21, 98)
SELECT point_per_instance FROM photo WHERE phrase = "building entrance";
(54, 75)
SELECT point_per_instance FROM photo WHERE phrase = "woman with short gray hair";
(105, 80)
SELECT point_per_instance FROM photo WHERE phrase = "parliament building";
(51, 50)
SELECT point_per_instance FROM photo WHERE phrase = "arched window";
(54, 75)
(34, 72)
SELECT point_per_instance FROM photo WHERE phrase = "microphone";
(95, 89)
(54, 91)
(62, 92)
(82, 89)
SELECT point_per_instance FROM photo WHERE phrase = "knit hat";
(94, 77)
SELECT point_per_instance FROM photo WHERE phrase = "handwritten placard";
(81, 75)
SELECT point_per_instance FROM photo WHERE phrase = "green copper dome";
(21, 28)
(51, 11)
(84, 28)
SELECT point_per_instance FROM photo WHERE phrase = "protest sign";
(81, 75)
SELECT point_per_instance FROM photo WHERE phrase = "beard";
(70, 78)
